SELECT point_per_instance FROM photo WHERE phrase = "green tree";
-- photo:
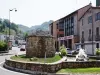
(6, 22)
(0, 21)
(14, 27)
(4, 27)
(25, 36)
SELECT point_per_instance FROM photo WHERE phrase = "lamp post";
(10, 23)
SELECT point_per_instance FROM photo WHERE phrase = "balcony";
(97, 38)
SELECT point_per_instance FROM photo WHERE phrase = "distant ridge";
(44, 26)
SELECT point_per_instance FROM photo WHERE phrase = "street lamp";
(10, 23)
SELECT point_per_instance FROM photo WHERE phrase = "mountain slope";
(44, 26)
(23, 28)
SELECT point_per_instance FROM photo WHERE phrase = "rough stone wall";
(38, 45)
(50, 68)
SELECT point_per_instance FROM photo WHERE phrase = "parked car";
(69, 51)
(76, 51)
(14, 45)
(19, 46)
(22, 48)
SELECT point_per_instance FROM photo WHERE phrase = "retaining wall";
(50, 68)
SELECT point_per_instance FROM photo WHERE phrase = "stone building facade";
(40, 46)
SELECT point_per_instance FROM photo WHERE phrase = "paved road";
(4, 71)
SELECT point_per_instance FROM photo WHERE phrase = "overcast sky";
(35, 12)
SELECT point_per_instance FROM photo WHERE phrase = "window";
(97, 31)
(57, 25)
(89, 38)
(89, 19)
(82, 39)
(97, 16)
(72, 19)
(61, 26)
(82, 34)
(65, 31)
(97, 45)
(89, 31)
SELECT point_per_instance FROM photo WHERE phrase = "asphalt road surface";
(3, 71)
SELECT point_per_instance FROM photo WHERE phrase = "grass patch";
(34, 59)
(80, 70)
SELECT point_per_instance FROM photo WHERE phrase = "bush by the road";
(97, 51)
(63, 51)
(3, 46)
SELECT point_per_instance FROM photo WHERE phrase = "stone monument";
(38, 45)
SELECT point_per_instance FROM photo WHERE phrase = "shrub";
(97, 51)
(63, 51)
(33, 59)
(3, 46)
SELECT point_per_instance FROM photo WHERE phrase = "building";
(66, 29)
(90, 30)
(4, 37)
(54, 31)
(79, 29)
(70, 25)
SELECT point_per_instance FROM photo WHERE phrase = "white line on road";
(1, 62)
(6, 70)
(2, 67)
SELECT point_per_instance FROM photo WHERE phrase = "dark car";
(76, 51)
(22, 48)
(69, 51)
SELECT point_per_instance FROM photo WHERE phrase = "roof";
(88, 10)
(76, 11)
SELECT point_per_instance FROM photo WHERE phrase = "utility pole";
(92, 32)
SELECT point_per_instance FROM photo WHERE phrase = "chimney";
(97, 3)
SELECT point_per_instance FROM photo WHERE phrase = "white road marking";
(3, 68)
(6, 70)
(1, 62)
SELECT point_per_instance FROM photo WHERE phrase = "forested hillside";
(4, 27)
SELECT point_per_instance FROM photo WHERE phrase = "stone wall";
(81, 64)
(50, 68)
(37, 46)
(40, 67)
